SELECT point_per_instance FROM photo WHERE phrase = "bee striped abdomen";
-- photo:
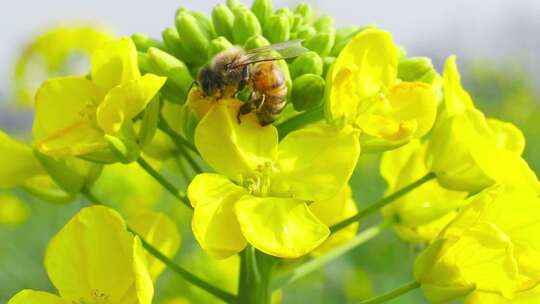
(269, 83)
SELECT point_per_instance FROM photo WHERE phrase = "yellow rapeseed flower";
(261, 191)
(468, 152)
(94, 259)
(420, 215)
(78, 115)
(364, 91)
(53, 50)
(492, 246)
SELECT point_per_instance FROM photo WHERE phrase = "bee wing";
(277, 51)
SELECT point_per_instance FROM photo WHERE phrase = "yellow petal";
(234, 149)
(93, 256)
(279, 226)
(366, 65)
(17, 162)
(213, 196)
(332, 211)
(456, 99)
(508, 136)
(126, 101)
(412, 101)
(62, 123)
(316, 162)
(28, 296)
(161, 232)
(451, 151)
(13, 210)
(115, 63)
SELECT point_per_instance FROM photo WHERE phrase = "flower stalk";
(381, 203)
(392, 294)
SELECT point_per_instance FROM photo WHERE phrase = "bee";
(233, 69)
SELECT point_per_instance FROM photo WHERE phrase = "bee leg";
(261, 104)
(246, 108)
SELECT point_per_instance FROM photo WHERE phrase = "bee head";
(209, 81)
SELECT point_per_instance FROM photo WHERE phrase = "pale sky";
(499, 29)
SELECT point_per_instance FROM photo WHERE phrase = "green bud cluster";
(196, 38)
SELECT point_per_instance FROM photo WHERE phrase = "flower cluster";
(275, 193)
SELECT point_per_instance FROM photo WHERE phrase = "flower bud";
(142, 61)
(308, 63)
(232, 4)
(256, 41)
(343, 36)
(327, 63)
(143, 42)
(262, 9)
(174, 44)
(306, 32)
(285, 11)
(417, 69)
(205, 22)
(321, 43)
(218, 45)
(71, 174)
(223, 19)
(125, 150)
(193, 37)
(307, 91)
(179, 78)
(245, 26)
(277, 29)
(303, 9)
(325, 24)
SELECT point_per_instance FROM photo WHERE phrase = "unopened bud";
(304, 10)
(245, 26)
(308, 63)
(321, 43)
(143, 42)
(417, 69)
(205, 22)
(194, 39)
(142, 61)
(325, 24)
(174, 44)
(223, 19)
(262, 9)
(178, 76)
(307, 92)
(285, 11)
(305, 32)
(218, 45)
(277, 29)
(232, 4)
(256, 42)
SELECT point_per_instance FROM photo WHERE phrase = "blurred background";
(498, 49)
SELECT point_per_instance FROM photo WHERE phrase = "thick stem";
(383, 202)
(188, 276)
(165, 183)
(392, 294)
(256, 270)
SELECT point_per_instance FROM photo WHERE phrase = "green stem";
(178, 139)
(192, 163)
(300, 120)
(188, 276)
(255, 276)
(311, 265)
(383, 202)
(165, 183)
(392, 294)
